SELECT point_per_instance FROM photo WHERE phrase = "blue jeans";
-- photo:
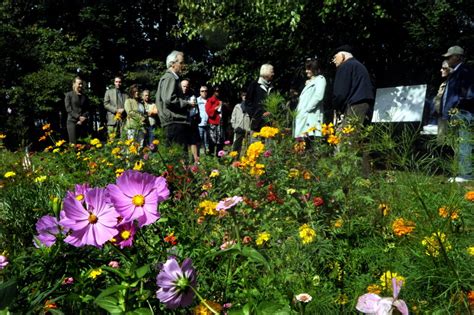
(204, 135)
(465, 143)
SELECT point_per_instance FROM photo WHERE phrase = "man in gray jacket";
(114, 101)
(171, 103)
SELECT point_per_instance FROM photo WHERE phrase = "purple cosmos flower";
(175, 283)
(92, 223)
(228, 203)
(137, 195)
(3, 262)
(47, 228)
(371, 303)
(126, 234)
(80, 191)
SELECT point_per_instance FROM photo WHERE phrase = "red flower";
(171, 239)
(318, 201)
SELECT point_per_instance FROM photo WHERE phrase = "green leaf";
(269, 308)
(8, 291)
(109, 291)
(253, 255)
(142, 271)
(110, 304)
(244, 311)
(140, 311)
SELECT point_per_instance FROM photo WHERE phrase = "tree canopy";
(44, 44)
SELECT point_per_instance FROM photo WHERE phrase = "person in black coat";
(257, 92)
(77, 108)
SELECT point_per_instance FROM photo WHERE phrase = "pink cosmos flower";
(227, 142)
(47, 228)
(92, 223)
(114, 264)
(3, 262)
(175, 283)
(371, 303)
(126, 234)
(136, 196)
(228, 203)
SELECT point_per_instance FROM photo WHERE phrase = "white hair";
(347, 55)
(173, 57)
(265, 70)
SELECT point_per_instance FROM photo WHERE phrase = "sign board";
(399, 104)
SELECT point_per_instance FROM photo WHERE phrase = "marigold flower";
(254, 150)
(402, 227)
(445, 212)
(469, 196)
(267, 132)
(307, 234)
(233, 154)
(9, 174)
(262, 238)
(470, 297)
(207, 207)
(374, 288)
(306, 175)
(202, 309)
(257, 170)
(304, 297)
(333, 139)
(327, 129)
(338, 223)
(95, 273)
(171, 239)
(299, 147)
(95, 141)
(434, 242)
(174, 283)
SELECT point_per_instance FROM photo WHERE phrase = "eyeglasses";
(203, 91)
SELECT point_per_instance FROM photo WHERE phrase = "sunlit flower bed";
(289, 227)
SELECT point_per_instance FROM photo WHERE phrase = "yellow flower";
(338, 223)
(470, 250)
(267, 132)
(262, 238)
(207, 207)
(2, 136)
(306, 175)
(434, 242)
(156, 142)
(119, 172)
(206, 186)
(9, 174)
(348, 129)
(445, 212)
(374, 288)
(56, 150)
(129, 142)
(384, 208)
(386, 279)
(95, 273)
(307, 234)
(257, 170)
(333, 139)
(46, 127)
(118, 116)
(402, 227)
(40, 179)
(469, 196)
(254, 150)
(60, 143)
(290, 191)
(95, 141)
(299, 147)
(138, 166)
(202, 309)
(233, 154)
(115, 151)
(214, 173)
(133, 149)
(310, 129)
(293, 173)
(327, 129)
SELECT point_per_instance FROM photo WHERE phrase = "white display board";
(399, 104)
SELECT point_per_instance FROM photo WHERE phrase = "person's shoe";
(459, 179)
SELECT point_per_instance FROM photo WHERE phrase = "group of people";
(191, 122)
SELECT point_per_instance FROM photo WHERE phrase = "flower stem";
(203, 301)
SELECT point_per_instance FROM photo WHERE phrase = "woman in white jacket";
(309, 112)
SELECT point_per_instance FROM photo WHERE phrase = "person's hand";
(82, 118)
(120, 110)
(266, 114)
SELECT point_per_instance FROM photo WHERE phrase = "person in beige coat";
(114, 101)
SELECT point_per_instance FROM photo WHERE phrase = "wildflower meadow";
(288, 227)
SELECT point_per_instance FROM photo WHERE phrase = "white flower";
(304, 297)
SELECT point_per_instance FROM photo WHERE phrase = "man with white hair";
(353, 93)
(257, 92)
(171, 103)
(459, 95)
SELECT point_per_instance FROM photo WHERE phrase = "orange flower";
(469, 196)
(470, 297)
(374, 288)
(445, 212)
(171, 239)
(402, 227)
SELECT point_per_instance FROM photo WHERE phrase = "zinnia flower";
(47, 228)
(228, 203)
(92, 223)
(175, 283)
(137, 195)
(370, 303)
(304, 297)
(307, 234)
(221, 153)
(469, 196)
(3, 262)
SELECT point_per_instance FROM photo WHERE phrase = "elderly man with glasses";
(203, 126)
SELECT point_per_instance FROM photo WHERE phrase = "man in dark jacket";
(353, 92)
(458, 98)
(172, 106)
(257, 92)
(77, 107)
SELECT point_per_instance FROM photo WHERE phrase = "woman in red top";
(216, 128)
